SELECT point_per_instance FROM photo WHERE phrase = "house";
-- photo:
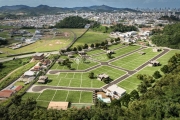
(42, 79)
(156, 49)
(70, 55)
(46, 62)
(110, 52)
(142, 53)
(28, 74)
(154, 63)
(58, 105)
(18, 88)
(115, 91)
(81, 53)
(38, 56)
(102, 76)
(36, 68)
(6, 93)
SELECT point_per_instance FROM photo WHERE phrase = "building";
(156, 49)
(28, 74)
(154, 63)
(38, 56)
(115, 91)
(58, 105)
(6, 93)
(42, 79)
(110, 52)
(102, 76)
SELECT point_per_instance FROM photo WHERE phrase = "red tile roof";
(6, 93)
(18, 88)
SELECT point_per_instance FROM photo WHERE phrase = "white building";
(115, 91)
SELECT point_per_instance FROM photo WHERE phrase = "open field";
(44, 98)
(47, 43)
(133, 61)
(91, 37)
(119, 52)
(9, 66)
(82, 80)
(131, 83)
(74, 66)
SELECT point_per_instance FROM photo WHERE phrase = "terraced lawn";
(119, 52)
(134, 60)
(47, 96)
(132, 82)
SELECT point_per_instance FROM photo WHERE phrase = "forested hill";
(159, 101)
(169, 37)
(72, 22)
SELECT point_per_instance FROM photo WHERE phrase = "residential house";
(154, 63)
(102, 76)
(6, 93)
(42, 79)
(38, 56)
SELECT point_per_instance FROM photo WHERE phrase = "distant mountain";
(45, 9)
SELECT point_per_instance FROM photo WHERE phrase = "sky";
(86, 3)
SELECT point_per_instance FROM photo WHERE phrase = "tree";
(109, 55)
(1, 65)
(112, 41)
(92, 45)
(157, 75)
(164, 69)
(134, 95)
(103, 44)
(91, 75)
(74, 49)
(140, 76)
(79, 48)
(69, 65)
(125, 99)
(142, 88)
(85, 46)
(106, 42)
(97, 45)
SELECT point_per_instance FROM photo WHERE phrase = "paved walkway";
(40, 88)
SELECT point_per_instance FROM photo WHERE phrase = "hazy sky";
(81, 3)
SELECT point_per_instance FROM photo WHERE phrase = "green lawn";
(134, 60)
(9, 66)
(119, 52)
(131, 83)
(44, 98)
(75, 66)
(91, 37)
(82, 79)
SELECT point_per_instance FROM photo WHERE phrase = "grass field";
(131, 83)
(82, 79)
(44, 98)
(119, 52)
(48, 43)
(91, 37)
(134, 60)
(75, 66)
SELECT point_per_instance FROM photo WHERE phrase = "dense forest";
(169, 37)
(72, 22)
(159, 100)
(114, 28)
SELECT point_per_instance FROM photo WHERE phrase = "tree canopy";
(72, 22)
(169, 37)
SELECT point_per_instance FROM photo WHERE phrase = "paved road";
(130, 73)
(23, 56)
(136, 70)
(37, 88)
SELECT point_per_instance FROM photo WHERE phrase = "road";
(39, 88)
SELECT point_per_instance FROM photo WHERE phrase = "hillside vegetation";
(169, 37)
(72, 22)
(114, 28)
